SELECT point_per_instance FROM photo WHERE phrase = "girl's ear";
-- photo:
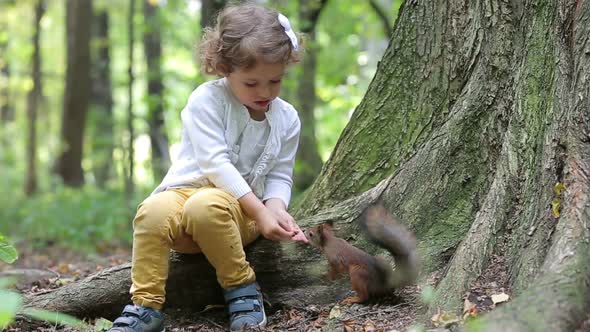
(223, 69)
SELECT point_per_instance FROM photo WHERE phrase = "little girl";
(232, 179)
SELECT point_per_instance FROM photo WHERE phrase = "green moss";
(385, 128)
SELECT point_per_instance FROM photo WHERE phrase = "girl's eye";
(250, 85)
(275, 81)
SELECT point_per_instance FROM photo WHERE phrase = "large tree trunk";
(152, 43)
(77, 92)
(102, 100)
(477, 116)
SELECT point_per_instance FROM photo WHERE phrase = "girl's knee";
(155, 210)
(209, 205)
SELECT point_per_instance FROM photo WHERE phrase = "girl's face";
(257, 87)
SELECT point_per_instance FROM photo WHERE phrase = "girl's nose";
(264, 92)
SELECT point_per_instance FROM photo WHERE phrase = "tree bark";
(102, 100)
(34, 98)
(77, 92)
(152, 43)
(476, 119)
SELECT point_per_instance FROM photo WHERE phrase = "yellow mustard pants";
(189, 220)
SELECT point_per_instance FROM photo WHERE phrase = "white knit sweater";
(213, 121)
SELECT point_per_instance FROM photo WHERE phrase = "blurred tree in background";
(76, 97)
(101, 121)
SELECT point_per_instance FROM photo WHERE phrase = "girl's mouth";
(263, 103)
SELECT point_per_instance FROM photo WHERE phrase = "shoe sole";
(260, 325)
(263, 323)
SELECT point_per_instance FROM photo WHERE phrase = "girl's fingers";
(281, 233)
(300, 237)
(285, 226)
(292, 225)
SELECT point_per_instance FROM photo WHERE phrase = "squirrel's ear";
(330, 222)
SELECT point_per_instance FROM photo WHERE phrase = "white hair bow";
(287, 26)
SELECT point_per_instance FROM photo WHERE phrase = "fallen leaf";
(335, 312)
(64, 281)
(63, 268)
(436, 316)
(499, 298)
(444, 319)
(294, 315)
(369, 327)
(348, 325)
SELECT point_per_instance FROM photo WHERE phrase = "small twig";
(377, 311)
(302, 309)
(304, 321)
(210, 321)
(54, 272)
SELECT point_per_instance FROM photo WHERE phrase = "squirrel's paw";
(352, 300)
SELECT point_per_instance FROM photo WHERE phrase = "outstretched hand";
(271, 227)
(285, 221)
(272, 218)
(288, 223)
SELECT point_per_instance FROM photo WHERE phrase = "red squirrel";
(370, 275)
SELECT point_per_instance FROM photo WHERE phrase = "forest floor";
(51, 267)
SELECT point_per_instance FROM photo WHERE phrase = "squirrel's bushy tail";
(385, 231)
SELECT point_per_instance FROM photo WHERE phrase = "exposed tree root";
(475, 251)
(559, 299)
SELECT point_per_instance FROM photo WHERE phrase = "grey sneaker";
(139, 319)
(245, 306)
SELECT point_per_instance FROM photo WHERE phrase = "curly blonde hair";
(244, 35)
